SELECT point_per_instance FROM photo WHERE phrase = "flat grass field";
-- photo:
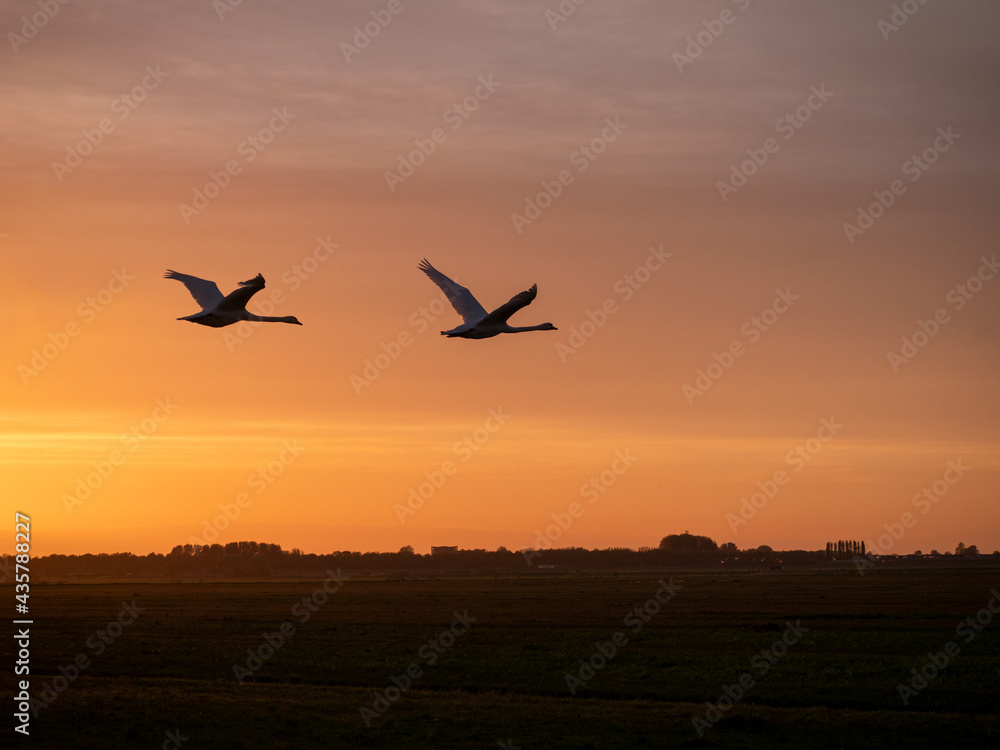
(484, 661)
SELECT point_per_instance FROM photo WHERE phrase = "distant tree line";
(848, 549)
(961, 549)
(688, 543)
(259, 559)
(844, 549)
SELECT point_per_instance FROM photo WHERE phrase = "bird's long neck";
(269, 319)
(522, 329)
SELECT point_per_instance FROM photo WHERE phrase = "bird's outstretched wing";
(237, 299)
(206, 293)
(460, 297)
(502, 313)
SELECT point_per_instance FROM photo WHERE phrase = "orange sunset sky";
(675, 176)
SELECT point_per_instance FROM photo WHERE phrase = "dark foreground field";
(485, 662)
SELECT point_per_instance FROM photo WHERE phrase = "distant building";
(444, 550)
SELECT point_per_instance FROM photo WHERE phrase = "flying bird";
(218, 311)
(478, 324)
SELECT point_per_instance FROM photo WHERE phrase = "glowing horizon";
(735, 246)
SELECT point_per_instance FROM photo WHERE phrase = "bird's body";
(477, 323)
(217, 310)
